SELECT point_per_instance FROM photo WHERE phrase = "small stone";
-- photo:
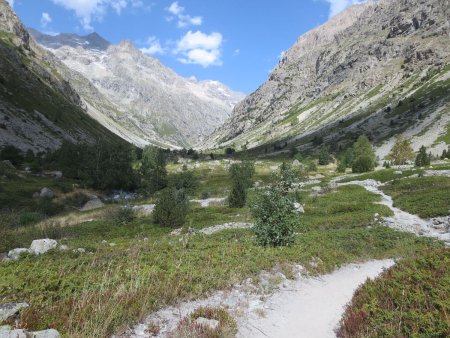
(51, 333)
(398, 172)
(93, 204)
(112, 244)
(299, 208)
(80, 250)
(46, 193)
(63, 247)
(209, 323)
(145, 239)
(11, 309)
(15, 254)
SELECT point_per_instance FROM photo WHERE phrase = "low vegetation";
(423, 196)
(408, 300)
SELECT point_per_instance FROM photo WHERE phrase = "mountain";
(147, 99)
(378, 68)
(39, 109)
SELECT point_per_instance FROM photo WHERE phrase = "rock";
(11, 309)
(21, 333)
(53, 173)
(46, 193)
(15, 254)
(63, 247)
(41, 246)
(144, 210)
(398, 172)
(207, 202)
(299, 208)
(7, 164)
(51, 333)
(296, 163)
(80, 250)
(209, 323)
(93, 204)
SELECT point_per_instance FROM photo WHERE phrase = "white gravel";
(307, 307)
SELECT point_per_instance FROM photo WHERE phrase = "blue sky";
(236, 42)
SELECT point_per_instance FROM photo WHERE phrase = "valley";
(135, 202)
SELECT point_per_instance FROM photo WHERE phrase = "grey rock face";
(20, 333)
(41, 246)
(348, 76)
(147, 99)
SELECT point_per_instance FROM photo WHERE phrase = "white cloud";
(153, 46)
(184, 20)
(11, 3)
(200, 48)
(45, 19)
(337, 6)
(94, 10)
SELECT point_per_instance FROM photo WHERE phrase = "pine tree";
(363, 156)
(445, 154)
(153, 169)
(241, 179)
(324, 155)
(402, 151)
(171, 207)
(422, 159)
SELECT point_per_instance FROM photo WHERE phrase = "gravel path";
(313, 307)
(308, 307)
(403, 220)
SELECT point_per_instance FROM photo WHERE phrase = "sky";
(237, 42)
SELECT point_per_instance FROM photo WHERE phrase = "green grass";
(97, 293)
(423, 196)
(409, 300)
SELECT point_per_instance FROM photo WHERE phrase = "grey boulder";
(15, 254)
(10, 309)
(41, 246)
(46, 193)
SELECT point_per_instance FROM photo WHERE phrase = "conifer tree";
(402, 151)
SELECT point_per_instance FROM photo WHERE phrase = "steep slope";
(139, 93)
(38, 108)
(379, 68)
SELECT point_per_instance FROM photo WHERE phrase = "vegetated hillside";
(38, 108)
(377, 69)
(150, 101)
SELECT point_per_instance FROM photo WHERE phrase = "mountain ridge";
(145, 97)
(361, 62)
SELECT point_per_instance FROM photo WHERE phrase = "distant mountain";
(39, 109)
(379, 69)
(150, 101)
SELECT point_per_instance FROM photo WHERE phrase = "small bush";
(241, 177)
(48, 207)
(27, 218)
(124, 215)
(187, 327)
(204, 195)
(238, 195)
(171, 208)
(274, 218)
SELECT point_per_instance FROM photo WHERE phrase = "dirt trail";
(403, 220)
(306, 307)
(313, 307)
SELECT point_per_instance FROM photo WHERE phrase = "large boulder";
(46, 193)
(211, 324)
(41, 246)
(10, 309)
(15, 254)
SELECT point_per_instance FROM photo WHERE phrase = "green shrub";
(187, 327)
(171, 207)
(363, 156)
(153, 170)
(324, 155)
(241, 179)
(204, 195)
(411, 299)
(27, 218)
(422, 158)
(47, 207)
(274, 218)
(341, 167)
(124, 215)
(185, 180)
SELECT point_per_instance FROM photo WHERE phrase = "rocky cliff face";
(39, 109)
(143, 96)
(377, 68)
